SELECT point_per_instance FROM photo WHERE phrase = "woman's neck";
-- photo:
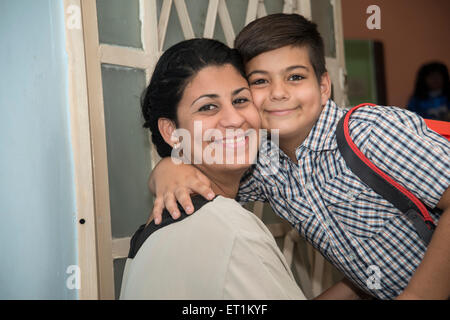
(225, 184)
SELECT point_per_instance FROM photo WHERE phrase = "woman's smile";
(233, 142)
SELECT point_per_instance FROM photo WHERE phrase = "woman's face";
(217, 111)
(434, 81)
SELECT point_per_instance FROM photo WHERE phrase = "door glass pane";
(274, 6)
(174, 33)
(118, 22)
(322, 14)
(238, 11)
(128, 149)
(218, 32)
(119, 267)
(361, 76)
(269, 216)
(198, 10)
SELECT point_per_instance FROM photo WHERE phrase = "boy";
(355, 229)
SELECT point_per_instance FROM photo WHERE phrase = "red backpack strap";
(382, 183)
(441, 127)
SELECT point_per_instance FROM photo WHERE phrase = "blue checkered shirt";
(354, 228)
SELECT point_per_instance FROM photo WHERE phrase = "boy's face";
(286, 91)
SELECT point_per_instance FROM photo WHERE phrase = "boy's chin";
(289, 131)
(293, 135)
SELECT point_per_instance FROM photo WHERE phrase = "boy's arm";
(343, 290)
(401, 145)
(171, 182)
(432, 278)
(250, 188)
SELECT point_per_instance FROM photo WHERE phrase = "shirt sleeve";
(251, 187)
(400, 144)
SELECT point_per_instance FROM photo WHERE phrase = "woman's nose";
(231, 117)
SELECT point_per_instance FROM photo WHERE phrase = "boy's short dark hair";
(278, 30)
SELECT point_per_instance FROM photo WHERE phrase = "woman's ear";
(166, 127)
(325, 88)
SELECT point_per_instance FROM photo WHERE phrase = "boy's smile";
(286, 91)
(280, 112)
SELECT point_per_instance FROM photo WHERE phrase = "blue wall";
(37, 196)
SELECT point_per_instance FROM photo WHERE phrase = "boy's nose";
(278, 92)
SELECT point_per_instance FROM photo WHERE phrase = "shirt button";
(351, 256)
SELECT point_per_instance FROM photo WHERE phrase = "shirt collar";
(271, 159)
(322, 135)
(268, 149)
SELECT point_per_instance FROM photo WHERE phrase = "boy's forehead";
(281, 57)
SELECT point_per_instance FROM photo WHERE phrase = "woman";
(222, 251)
(431, 98)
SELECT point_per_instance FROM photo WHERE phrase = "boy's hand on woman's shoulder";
(171, 182)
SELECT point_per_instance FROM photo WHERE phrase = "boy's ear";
(325, 88)
(166, 128)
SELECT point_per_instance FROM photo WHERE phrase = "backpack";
(382, 183)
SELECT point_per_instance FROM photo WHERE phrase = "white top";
(222, 251)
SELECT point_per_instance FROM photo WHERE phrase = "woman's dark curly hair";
(176, 67)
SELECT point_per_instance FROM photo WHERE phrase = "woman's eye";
(207, 107)
(296, 77)
(258, 81)
(240, 101)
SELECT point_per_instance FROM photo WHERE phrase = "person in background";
(431, 98)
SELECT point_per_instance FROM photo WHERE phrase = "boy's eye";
(207, 107)
(296, 77)
(258, 81)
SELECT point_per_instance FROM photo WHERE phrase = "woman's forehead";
(215, 80)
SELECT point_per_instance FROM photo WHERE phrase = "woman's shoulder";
(220, 216)
(167, 223)
(220, 221)
(228, 214)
